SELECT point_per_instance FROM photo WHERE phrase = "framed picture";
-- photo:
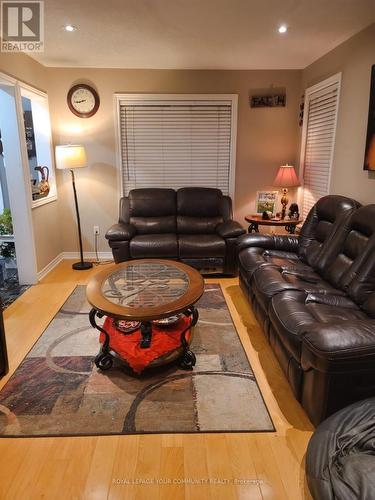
(369, 163)
(266, 201)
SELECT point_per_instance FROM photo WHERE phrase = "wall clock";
(83, 100)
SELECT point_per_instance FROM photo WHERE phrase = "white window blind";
(321, 106)
(176, 144)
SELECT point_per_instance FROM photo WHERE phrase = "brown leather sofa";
(193, 225)
(314, 295)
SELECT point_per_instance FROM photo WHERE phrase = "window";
(318, 139)
(177, 141)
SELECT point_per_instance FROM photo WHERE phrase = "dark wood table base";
(104, 359)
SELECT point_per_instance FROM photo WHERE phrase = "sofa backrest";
(200, 210)
(320, 237)
(353, 267)
(151, 210)
(361, 288)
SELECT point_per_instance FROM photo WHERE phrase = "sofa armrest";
(121, 232)
(284, 242)
(334, 344)
(230, 229)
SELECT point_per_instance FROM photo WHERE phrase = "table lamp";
(71, 157)
(286, 177)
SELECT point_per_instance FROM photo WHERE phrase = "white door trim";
(18, 181)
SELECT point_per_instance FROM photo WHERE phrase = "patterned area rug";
(58, 391)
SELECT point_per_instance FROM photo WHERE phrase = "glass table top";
(145, 285)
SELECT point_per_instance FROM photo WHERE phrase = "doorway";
(17, 250)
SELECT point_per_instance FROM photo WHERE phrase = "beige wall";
(354, 59)
(46, 217)
(266, 138)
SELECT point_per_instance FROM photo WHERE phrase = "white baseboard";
(88, 255)
(72, 255)
(48, 268)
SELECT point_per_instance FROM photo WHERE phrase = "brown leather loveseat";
(314, 295)
(193, 225)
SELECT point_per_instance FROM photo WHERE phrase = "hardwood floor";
(270, 465)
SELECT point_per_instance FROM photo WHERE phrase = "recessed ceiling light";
(70, 28)
(282, 28)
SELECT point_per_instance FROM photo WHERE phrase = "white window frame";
(309, 92)
(181, 98)
(33, 93)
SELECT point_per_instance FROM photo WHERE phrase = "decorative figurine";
(293, 211)
(267, 215)
(43, 185)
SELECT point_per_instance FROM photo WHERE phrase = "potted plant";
(7, 248)
(6, 225)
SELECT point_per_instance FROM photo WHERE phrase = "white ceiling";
(199, 34)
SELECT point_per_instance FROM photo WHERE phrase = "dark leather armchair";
(193, 225)
(340, 458)
(314, 295)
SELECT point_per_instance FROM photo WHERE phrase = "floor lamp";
(71, 157)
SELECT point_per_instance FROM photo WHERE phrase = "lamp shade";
(286, 177)
(70, 156)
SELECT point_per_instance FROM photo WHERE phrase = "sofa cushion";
(322, 232)
(152, 202)
(199, 210)
(353, 269)
(162, 246)
(341, 272)
(152, 211)
(199, 202)
(197, 225)
(202, 245)
(259, 249)
(154, 225)
(271, 280)
(292, 313)
(341, 346)
(252, 258)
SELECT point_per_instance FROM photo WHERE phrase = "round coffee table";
(145, 290)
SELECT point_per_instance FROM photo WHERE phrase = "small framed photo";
(266, 201)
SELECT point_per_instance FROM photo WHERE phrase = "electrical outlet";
(96, 230)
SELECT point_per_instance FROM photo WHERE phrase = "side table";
(256, 220)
